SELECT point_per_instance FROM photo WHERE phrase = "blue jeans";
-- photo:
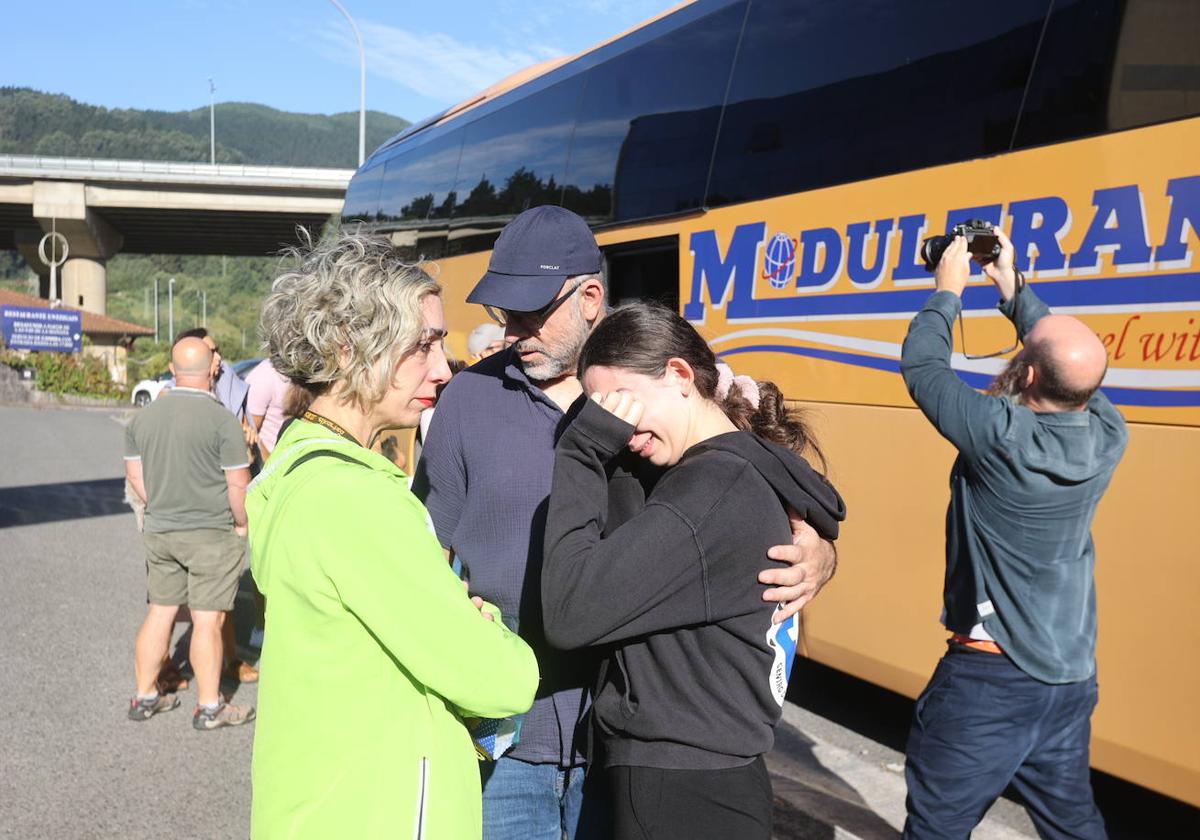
(524, 801)
(982, 723)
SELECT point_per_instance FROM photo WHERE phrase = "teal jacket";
(373, 654)
(1023, 494)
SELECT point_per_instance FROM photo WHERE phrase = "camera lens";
(932, 250)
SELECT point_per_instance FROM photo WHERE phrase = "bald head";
(1068, 360)
(191, 362)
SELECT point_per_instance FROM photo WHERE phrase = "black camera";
(982, 242)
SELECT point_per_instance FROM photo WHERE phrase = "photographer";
(1011, 700)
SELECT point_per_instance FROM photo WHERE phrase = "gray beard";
(559, 361)
(552, 368)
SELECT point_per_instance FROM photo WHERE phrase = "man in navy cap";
(485, 478)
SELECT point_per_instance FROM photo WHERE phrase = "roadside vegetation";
(66, 373)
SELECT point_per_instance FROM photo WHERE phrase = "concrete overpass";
(150, 207)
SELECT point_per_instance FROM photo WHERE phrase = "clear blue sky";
(296, 55)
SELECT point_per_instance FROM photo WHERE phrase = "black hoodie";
(698, 672)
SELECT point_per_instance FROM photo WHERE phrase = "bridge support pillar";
(84, 284)
(83, 279)
(27, 244)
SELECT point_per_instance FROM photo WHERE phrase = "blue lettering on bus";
(1119, 225)
(910, 266)
(824, 245)
(717, 274)
(858, 234)
(1038, 223)
(1185, 210)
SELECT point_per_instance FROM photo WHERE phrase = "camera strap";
(962, 333)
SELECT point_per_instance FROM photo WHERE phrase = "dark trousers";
(652, 804)
(982, 723)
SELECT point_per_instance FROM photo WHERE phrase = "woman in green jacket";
(373, 653)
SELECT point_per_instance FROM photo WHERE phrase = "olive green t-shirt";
(186, 440)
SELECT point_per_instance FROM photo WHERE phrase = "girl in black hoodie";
(687, 702)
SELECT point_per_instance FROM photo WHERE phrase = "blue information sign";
(29, 328)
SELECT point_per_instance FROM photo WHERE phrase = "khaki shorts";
(199, 568)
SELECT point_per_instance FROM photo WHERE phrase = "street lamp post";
(171, 309)
(212, 121)
(156, 310)
(362, 85)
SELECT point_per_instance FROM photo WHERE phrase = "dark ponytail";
(643, 337)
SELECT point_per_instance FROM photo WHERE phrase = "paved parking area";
(71, 599)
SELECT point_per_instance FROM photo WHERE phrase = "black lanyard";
(312, 417)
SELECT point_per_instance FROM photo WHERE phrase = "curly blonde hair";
(345, 314)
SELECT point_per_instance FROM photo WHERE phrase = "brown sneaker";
(240, 671)
(226, 714)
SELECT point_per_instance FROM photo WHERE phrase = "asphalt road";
(72, 766)
(72, 597)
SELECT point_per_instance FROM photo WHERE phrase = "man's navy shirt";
(485, 475)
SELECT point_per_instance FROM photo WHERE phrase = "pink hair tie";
(726, 380)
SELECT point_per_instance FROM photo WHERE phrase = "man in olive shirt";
(185, 457)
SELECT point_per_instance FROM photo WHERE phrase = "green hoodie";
(373, 653)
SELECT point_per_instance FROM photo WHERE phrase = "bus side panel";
(1148, 584)
(879, 617)
(826, 282)
(815, 291)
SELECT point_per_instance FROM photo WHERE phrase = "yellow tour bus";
(771, 167)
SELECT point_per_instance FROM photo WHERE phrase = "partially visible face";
(661, 435)
(420, 371)
(492, 349)
(552, 349)
(211, 343)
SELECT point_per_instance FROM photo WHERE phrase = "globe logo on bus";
(780, 264)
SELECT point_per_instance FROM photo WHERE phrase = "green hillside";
(235, 288)
(35, 123)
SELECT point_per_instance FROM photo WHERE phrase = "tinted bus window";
(645, 270)
(830, 92)
(644, 139)
(418, 197)
(362, 195)
(512, 159)
(1139, 64)
(418, 181)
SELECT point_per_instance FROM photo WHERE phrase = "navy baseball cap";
(534, 255)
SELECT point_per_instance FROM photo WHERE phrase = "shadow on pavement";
(35, 504)
(812, 802)
(1130, 812)
(873, 712)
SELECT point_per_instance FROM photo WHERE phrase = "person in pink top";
(268, 390)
